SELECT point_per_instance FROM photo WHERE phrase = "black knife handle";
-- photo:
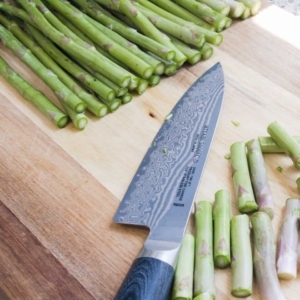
(148, 279)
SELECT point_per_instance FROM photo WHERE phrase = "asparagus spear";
(206, 51)
(144, 25)
(241, 178)
(210, 36)
(264, 257)
(99, 14)
(24, 54)
(221, 217)
(184, 34)
(236, 8)
(126, 57)
(92, 103)
(204, 12)
(217, 5)
(183, 276)
(286, 141)
(193, 55)
(126, 98)
(268, 145)
(38, 99)
(154, 80)
(259, 179)
(241, 264)
(287, 256)
(99, 63)
(204, 265)
(253, 5)
(246, 13)
(87, 79)
(181, 12)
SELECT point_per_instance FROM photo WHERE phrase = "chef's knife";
(162, 191)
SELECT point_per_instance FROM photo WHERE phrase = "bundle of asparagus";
(100, 52)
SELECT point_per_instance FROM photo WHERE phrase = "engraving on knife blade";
(169, 167)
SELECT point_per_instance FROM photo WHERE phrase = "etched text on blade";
(170, 152)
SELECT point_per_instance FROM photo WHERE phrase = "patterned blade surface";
(162, 191)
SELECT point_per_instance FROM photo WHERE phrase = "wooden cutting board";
(60, 188)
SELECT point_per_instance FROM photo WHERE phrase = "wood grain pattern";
(59, 189)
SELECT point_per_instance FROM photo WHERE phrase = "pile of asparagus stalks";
(96, 54)
(244, 242)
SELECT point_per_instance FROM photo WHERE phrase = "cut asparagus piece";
(62, 92)
(241, 264)
(264, 257)
(204, 12)
(98, 62)
(133, 62)
(246, 13)
(268, 145)
(204, 264)
(30, 93)
(206, 51)
(154, 80)
(259, 179)
(210, 36)
(181, 12)
(236, 8)
(287, 256)
(126, 98)
(93, 105)
(241, 178)
(99, 14)
(221, 218)
(228, 22)
(282, 137)
(193, 55)
(65, 62)
(217, 5)
(144, 25)
(253, 5)
(182, 33)
(184, 271)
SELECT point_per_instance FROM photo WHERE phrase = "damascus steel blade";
(162, 191)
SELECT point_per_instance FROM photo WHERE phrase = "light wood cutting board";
(60, 189)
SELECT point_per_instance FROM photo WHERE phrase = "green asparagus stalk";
(183, 276)
(221, 218)
(193, 55)
(136, 64)
(236, 8)
(181, 12)
(246, 13)
(286, 141)
(144, 25)
(99, 63)
(79, 120)
(268, 145)
(287, 256)
(241, 265)
(38, 99)
(228, 22)
(217, 5)
(259, 179)
(126, 98)
(154, 80)
(65, 62)
(112, 105)
(99, 14)
(204, 264)
(206, 51)
(264, 257)
(158, 67)
(253, 5)
(204, 12)
(184, 34)
(170, 66)
(210, 36)
(92, 103)
(61, 91)
(298, 183)
(241, 178)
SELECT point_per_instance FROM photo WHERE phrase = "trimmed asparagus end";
(126, 81)
(222, 261)
(81, 122)
(154, 80)
(80, 107)
(204, 296)
(170, 56)
(241, 293)
(159, 69)
(246, 14)
(194, 59)
(142, 86)
(126, 98)
(111, 95)
(62, 122)
(298, 183)
(148, 72)
(248, 207)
